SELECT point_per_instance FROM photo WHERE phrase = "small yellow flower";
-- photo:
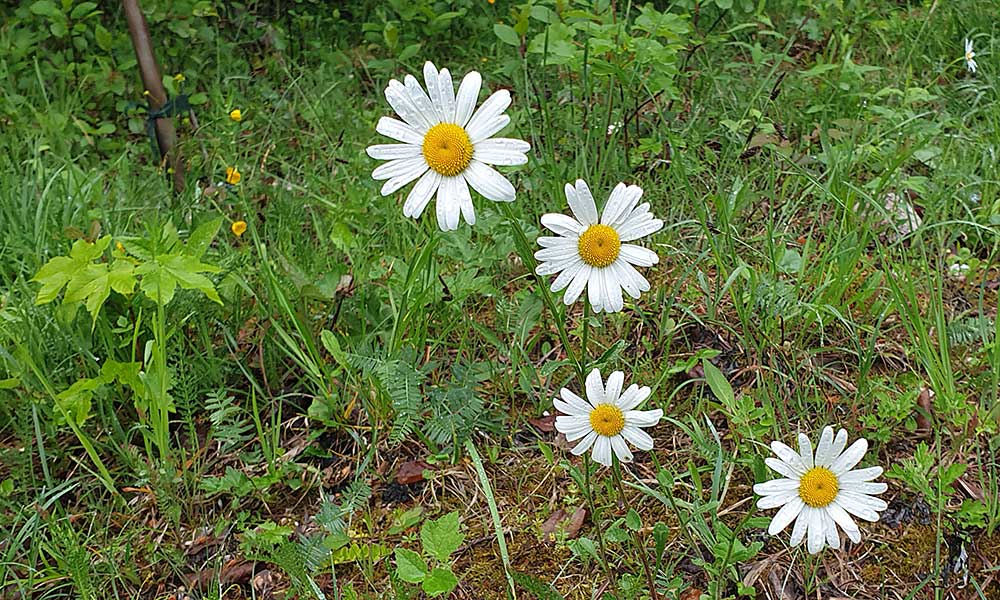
(146, 93)
(120, 247)
(179, 77)
(233, 176)
(239, 228)
(236, 115)
(491, 1)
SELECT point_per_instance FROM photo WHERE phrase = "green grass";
(350, 339)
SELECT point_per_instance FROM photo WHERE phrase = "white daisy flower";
(607, 419)
(970, 56)
(818, 492)
(445, 145)
(591, 253)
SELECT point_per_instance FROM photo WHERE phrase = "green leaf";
(633, 521)
(441, 537)
(410, 566)
(103, 37)
(82, 9)
(201, 238)
(506, 34)
(440, 581)
(161, 276)
(717, 381)
(75, 402)
(45, 8)
(60, 270)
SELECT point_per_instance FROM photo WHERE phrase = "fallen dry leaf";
(411, 471)
(561, 521)
(546, 424)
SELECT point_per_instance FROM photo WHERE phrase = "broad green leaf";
(506, 34)
(82, 9)
(439, 581)
(161, 276)
(201, 238)
(717, 381)
(410, 566)
(75, 402)
(60, 270)
(633, 521)
(46, 8)
(441, 537)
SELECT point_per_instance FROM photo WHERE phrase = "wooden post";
(166, 135)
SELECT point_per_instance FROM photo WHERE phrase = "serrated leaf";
(201, 238)
(60, 270)
(410, 566)
(441, 536)
(439, 581)
(161, 276)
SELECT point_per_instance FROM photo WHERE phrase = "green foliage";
(439, 539)
(925, 474)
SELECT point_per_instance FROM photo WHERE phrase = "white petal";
(416, 168)
(485, 118)
(864, 488)
(860, 475)
(432, 80)
(567, 275)
(595, 290)
(468, 94)
(392, 151)
(801, 525)
(832, 537)
(586, 443)
(401, 100)
(639, 438)
(562, 224)
(614, 387)
(614, 291)
(419, 98)
(621, 449)
(595, 388)
(786, 515)
(448, 204)
(824, 450)
(776, 500)
(602, 450)
(579, 282)
(569, 409)
(581, 202)
(637, 255)
(860, 510)
(573, 427)
(549, 267)
(779, 466)
(839, 443)
(776, 486)
(502, 151)
(845, 521)
(849, 499)
(643, 418)
(637, 227)
(582, 406)
(789, 457)
(490, 184)
(461, 188)
(399, 131)
(850, 458)
(421, 194)
(624, 278)
(559, 253)
(488, 129)
(637, 280)
(817, 531)
(633, 397)
(806, 450)
(620, 204)
(399, 167)
(447, 90)
(553, 241)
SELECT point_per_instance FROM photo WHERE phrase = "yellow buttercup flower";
(179, 78)
(236, 115)
(239, 228)
(233, 176)
(120, 247)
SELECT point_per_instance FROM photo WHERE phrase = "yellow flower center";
(447, 149)
(969, 55)
(599, 245)
(607, 420)
(818, 487)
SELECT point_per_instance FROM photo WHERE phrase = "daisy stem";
(639, 546)
(596, 520)
(528, 258)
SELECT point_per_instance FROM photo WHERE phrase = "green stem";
(595, 517)
(639, 546)
(528, 258)
(484, 481)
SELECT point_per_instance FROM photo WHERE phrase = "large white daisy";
(818, 492)
(591, 253)
(446, 145)
(607, 418)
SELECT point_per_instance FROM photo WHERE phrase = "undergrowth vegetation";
(272, 383)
